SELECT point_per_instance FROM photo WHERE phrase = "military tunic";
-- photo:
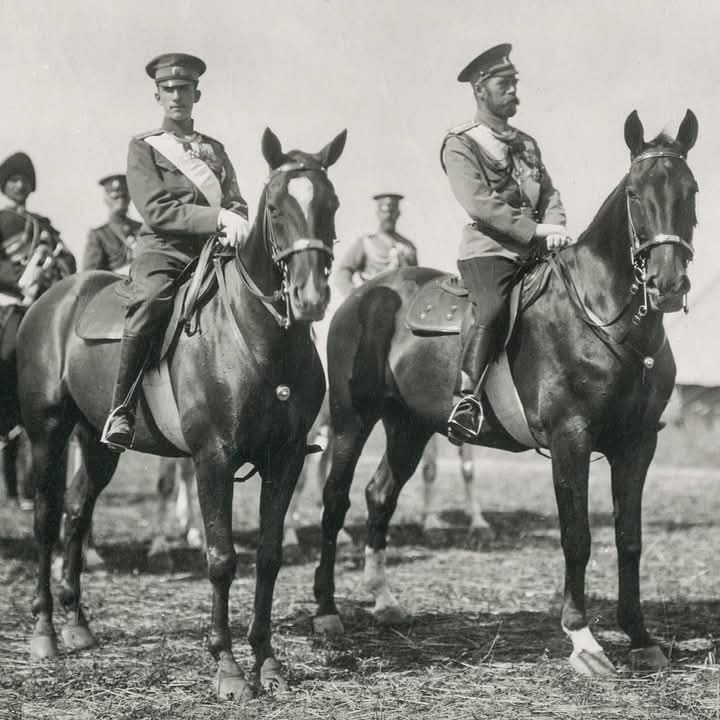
(372, 254)
(498, 177)
(179, 213)
(111, 246)
(501, 182)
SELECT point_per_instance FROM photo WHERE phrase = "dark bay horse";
(591, 364)
(248, 386)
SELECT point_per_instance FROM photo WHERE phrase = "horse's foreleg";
(629, 464)
(278, 484)
(215, 493)
(405, 443)
(49, 488)
(346, 449)
(9, 462)
(92, 475)
(570, 447)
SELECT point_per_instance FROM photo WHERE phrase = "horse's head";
(299, 206)
(661, 209)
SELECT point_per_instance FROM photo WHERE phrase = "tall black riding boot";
(466, 418)
(119, 428)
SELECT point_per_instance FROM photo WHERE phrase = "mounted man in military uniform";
(376, 252)
(497, 174)
(112, 246)
(32, 255)
(184, 187)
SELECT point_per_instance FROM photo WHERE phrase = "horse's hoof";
(479, 535)
(647, 659)
(78, 637)
(343, 537)
(159, 546)
(26, 504)
(392, 615)
(272, 680)
(432, 522)
(233, 686)
(328, 625)
(592, 664)
(43, 647)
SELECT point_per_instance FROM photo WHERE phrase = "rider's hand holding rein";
(552, 236)
(235, 227)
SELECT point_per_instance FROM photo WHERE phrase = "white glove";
(555, 236)
(235, 227)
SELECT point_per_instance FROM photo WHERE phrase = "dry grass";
(485, 640)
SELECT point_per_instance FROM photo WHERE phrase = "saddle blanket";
(439, 308)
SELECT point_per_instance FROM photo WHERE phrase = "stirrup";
(111, 444)
(458, 432)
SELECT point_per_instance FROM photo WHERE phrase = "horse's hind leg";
(629, 464)
(92, 475)
(346, 448)
(48, 441)
(406, 440)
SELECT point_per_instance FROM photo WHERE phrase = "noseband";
(279, 255)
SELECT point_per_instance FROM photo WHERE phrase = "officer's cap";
(17, 164)
(114, 182)
(173, 69)
(494, 62)
(388, 199)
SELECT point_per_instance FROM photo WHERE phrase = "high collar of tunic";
(185, 132)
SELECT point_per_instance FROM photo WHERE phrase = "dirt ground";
(485, 640)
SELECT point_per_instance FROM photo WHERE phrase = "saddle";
(101, 318)
(441, 304)
(439, 308)
(102, 304)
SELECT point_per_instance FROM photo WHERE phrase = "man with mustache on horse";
(112, 246)
(496, 173)
(184, 187)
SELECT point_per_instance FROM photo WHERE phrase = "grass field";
(485, 641)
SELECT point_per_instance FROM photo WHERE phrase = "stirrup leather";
(119, 411)
(456, 427)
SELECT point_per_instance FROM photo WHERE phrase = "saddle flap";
(438, 307)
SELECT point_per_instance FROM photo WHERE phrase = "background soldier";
(383, 250)
(112, 245)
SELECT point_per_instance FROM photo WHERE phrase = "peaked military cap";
(18, 163)
(492, 63)
(113, 182)
(388, 198)
(172, 69)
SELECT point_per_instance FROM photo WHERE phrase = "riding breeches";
(150, 289)
(489, 280)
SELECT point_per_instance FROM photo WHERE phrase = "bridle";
(639, 250)
(279, 255)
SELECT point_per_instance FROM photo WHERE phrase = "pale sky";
(76, 91)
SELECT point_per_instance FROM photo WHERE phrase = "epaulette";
(462, 128)
(457, 130)
(99, 227)
(142, 136)
(212, 139)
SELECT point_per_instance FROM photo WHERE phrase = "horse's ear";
(688, 131)
(634, 133)
(272, 149)
(332, 151)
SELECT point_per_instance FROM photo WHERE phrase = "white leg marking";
(583, 640)
(376, 581)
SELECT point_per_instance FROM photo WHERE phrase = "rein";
(638, 258)
(280, 256)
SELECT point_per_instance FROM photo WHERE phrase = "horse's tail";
(377, 310)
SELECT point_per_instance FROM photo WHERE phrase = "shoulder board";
(100, 227)
(464, 127)
(142, 136)
(402, 238)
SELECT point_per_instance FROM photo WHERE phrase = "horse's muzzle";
(667, 302)
(309, 305)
